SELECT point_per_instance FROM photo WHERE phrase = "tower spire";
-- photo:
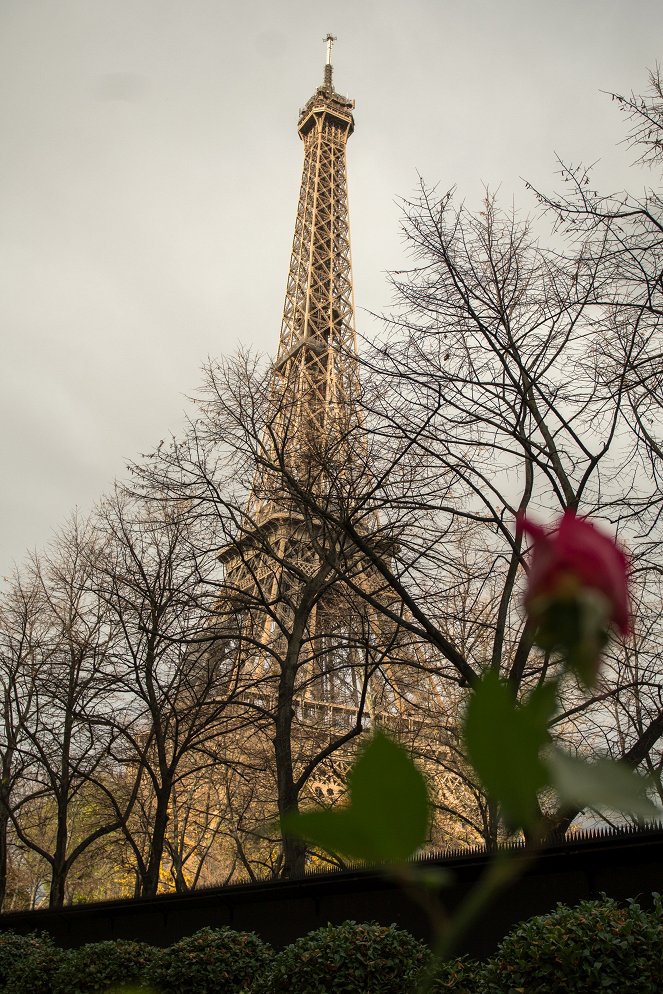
(329, 39)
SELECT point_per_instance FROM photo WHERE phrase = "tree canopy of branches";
(525, 378)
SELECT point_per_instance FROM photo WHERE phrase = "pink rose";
(577, 588)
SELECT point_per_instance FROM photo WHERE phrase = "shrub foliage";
(28, 963)
(596, 946)
(348, 959)
(99, 967)
(213, 961)
(14, 947)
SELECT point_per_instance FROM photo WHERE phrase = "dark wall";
(280, 911)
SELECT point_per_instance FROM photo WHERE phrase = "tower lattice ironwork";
(313, 447)
(315, 382)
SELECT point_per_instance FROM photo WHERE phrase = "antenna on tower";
(329, 40)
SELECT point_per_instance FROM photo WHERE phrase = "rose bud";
(577, 590)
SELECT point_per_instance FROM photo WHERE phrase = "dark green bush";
(14, 946)
(103, 966)
(213, 961)
(348, 959)
(28, 963)
(596, 946)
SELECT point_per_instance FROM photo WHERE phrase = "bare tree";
(309, 653)
(491, 395)
(62, 692)
(22, 637)
(174, 684)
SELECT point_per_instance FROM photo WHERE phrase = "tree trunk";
(4, 824)
(294, 850)
(150, 883)
(58, 881)
(59, 862)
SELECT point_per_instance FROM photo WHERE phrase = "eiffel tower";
(312, 649)
(312, 444)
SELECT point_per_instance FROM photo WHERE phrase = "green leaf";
(504, 740)
(387, 817)
(599, 784)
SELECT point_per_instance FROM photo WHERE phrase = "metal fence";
(622, 863)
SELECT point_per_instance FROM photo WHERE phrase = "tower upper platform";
(326, 101)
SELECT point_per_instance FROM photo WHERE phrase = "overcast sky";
(150, 166)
